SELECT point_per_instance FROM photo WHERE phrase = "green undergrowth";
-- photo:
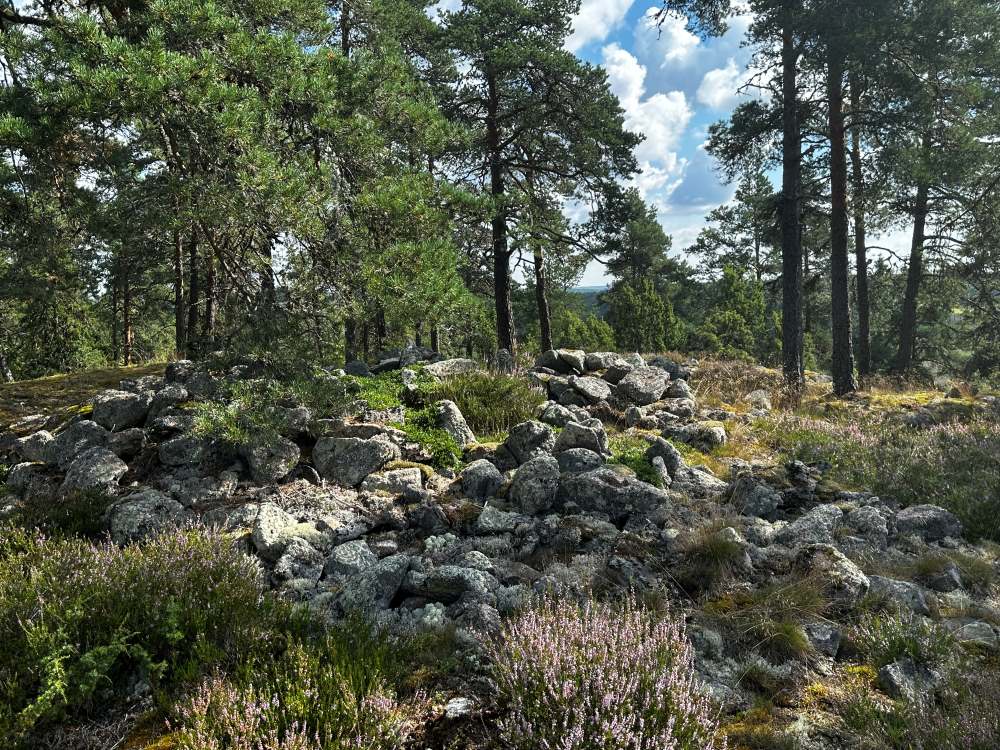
(76, 513)
(630, 450)
(491, 403)
(420, 426)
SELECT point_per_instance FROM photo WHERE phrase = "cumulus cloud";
(596, 19)
(680, 43)
(719, 86)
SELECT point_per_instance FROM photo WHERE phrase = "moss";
(756, 729)
(425, 471)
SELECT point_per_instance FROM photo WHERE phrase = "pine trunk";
(860, 240)
(350, 340)
(501, 252)
(791, 239)
(435, 339)
(208, 321)
(194, 292)
(842, 365)
(914, 275)
(542, 299)
(180, 345)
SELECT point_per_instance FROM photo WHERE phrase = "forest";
(321, 182)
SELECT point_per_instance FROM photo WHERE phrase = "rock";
(697, 482)
(127, 443)
(349, 559)
(576, 460)
(448, 583)
(448, 367)
(201, 385)
(824, 637)
(844, 582)
(357, 368)
(869, 523)
(458, 708)
(751, 497)
(300, 560)
(348, 461)
(975, 632)
(495, 521)
(75, 439)
(21, 476)
(270, 458)
(660, 448)
(903, 594)
(182, 450)
(632, 416)
(814, 527)
(615, 373)
(269, 535)
(408, 482)
(144, 514)
(759, 399)
(94, 469)
(530, 439)
(503, 362)
(929, 522)
(374, 587)
(117, 410)
(481, 479)
(679, 389)
(602, 361)
(610, 492)
(165, 399)
(642, 386)
(39, 446)
(592, 389)
(535, 485)
(576, 435)
(945, 580)
(179, 371)
(705, 436)
(906, 681)
(450, 419)
(556, 415)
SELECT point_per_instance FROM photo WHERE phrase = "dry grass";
(63, 393)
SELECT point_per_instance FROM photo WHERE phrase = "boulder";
(844, 582)
(270, 458)
(448, 583)
(357, 368)
(127, 443)
(535, 485)
(576, 435)
(299, 561)
(179, 371)
(592, 389)
(907, 681)
(94, 469)
(22, 475)
(610, 492)
(270, 534)
(348, 461)
(576, 460)
(495, 521)
(679, 389)
(117, 410)
(751, 497)
(481, 479)
(697, 482)
(38, 446)
(144, 514)
(556, 415)
(448, 367)
(375, 587)
(642, 386)
(814, 527)
(182, 450)
(530, 439)
(602, 361)
(660, 448)
(75, 439)
(348, 559)
(408, 482)
(166, 398)
(904, 595)
(929, 522)
(450, 419)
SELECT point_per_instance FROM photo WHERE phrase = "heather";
(599, 676)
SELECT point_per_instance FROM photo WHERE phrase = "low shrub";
(709, 559)
(884, 639)
(77, 513)
(421, 427)
(599, 676)
(491, 403)
(79, 620)
(630, 450)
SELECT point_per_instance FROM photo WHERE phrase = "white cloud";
(680, 43)
(596, 19)
(719, 87)
(436, 11)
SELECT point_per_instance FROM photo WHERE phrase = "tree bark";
(5, 374)
(542, 299)
(914, 275)
(350, 340)
(128, 333)
(345, 29)
(208, 321)
(842, 365)
(194, 291)
(435, 339)
(791, 240)
(501, 252)
(180, 345)
(860, 240)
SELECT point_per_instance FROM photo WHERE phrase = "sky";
(672, 86)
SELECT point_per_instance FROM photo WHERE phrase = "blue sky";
(672, 86)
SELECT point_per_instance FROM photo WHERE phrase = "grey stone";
(642, 386)
(814, 527)
(118, 410)
(481, 479)
(535, 485)
(945, 580)
(270, 458)
(349, 558)
(165, 399)
(179, 371)
(607, 491)
(448, 583)
(182, 450)
(679, 389)
(697, 482)
(448, 367)
(530, 439)
(576, 460)
(408, 482)
(357, 368)
(824, 637)
(592, 389)
(602, 361)
(21, 476)
(144, 514)
(348, 461)
(903, 594)
(660, 448)
(75, 439)
(495, 521)
(576, 435)
(869, 523)
(39, 446)
(754, 498)
(450, 419)
(844, 582)
(929, 522)
(94, 469)
(127, 443)
(269, 535)
(374, 587)
(300, 560)
(906, 681)
(976, 632)
(556, 415)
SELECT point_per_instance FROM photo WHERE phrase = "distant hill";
(589, 297)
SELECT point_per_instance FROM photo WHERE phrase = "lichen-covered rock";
(408, 482)
(608, 491)
(348, 461)
(300, 560)
(269, 536)
(535, 485)
(270, 458)
(144, 514)
(374, 588)
(751, 497)
(481, 479)
(697, 482)
(22, 475)
(75, 439)
(165, 399)
(450, 419)
(907, 681)
(592, 389)
(448, 583)
(530, 439)
(904, 595)
(94, 469)
(602, 361)
(576, 460)
(495, 521)
(38, 446)
(642, 386)
(127, 443)
(843, 581)
(348, 559)
(556, 414)
(179, 371)
(929, 522)
(118, 410)
(815, 527)
(449, 367)
(679, 389)
(182, 450)
(590, 435)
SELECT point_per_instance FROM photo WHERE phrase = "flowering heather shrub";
(78, 619)
(599, 676)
